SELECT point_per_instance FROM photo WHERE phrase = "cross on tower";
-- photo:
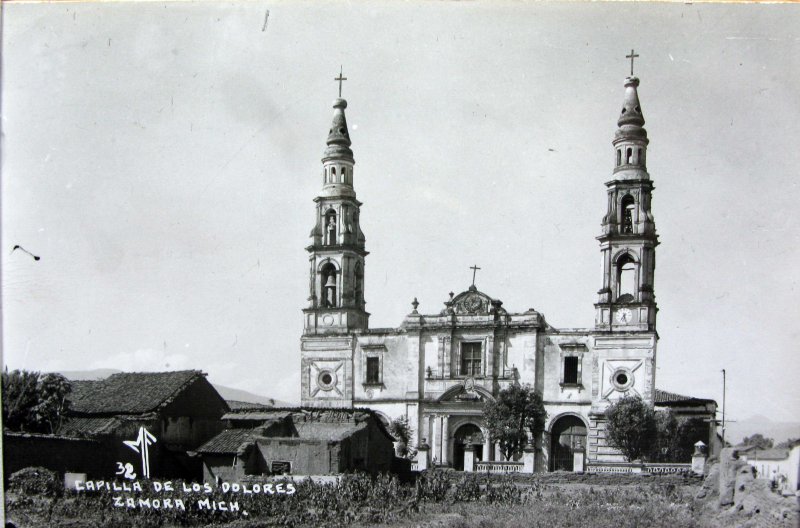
(631, 57)
(340, 79)
(474, 269)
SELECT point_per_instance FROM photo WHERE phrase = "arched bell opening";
(329, 286)
(626, 279)
(628, 207)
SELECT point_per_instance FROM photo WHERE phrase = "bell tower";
(336, 254)
(335, 312)
(626, 301)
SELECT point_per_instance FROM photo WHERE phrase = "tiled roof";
(270, 416)
(665, 397)
(129, 392)
(237, 405)
(331, 432)
(774, 453)
(82, 426)
(227, 442)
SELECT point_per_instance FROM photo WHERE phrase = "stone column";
(528, 459)
(487, 446)
(469, 458)
(437, 447)
(577, 461)
(423, 456)
(445, 440)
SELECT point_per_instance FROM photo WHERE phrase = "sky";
(161, 160)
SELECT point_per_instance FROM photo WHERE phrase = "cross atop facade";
(474, 269)
(631, 57)
(340, 79)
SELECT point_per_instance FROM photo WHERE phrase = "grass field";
(437, 499)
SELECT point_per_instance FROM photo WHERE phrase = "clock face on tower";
(624, 315)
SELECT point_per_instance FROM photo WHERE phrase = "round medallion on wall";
(473, 303)
(622, 379)
(326, 380)
(370, 393)
(327, 320)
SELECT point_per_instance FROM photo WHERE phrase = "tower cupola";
(338, 137)
(630, 140)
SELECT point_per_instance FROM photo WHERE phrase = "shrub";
(36, 481)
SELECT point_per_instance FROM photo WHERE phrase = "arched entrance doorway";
(567, 436)
(466, 434)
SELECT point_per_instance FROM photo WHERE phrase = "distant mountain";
(226, 392)
(778, 431)
(243, 396)
(88, 375)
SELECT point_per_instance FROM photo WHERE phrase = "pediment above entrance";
(472, 302)
(467, 392)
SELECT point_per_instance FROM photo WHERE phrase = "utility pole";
(723, 408)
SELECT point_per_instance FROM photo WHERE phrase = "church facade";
(438, 369)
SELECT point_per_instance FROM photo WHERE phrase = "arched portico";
(567, 437)
(467, 434)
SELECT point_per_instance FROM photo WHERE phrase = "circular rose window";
(622, 379)
(326, 380)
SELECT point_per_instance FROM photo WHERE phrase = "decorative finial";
(451, 295)
(340, 79)
(415, 303)
(631, 57)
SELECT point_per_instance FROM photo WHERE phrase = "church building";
(438, 369)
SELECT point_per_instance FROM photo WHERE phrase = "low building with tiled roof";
(297, 441)
(181, 409)
(691, 408)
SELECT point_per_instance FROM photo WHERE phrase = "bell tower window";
(629, 156)
(628, 206)
(328, 280)
(626, 279)
(619, 157)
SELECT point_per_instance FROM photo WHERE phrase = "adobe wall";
(732, 496)
(308, 457)
(58, 454)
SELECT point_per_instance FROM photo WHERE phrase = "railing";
(498, 467)
(630, 467)
(614, 468)
(666, 469)
(414, 465)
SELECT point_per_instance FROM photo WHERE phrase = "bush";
(432, 485)
(36, 481)
(467, 488)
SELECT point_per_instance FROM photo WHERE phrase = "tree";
(401, 430)
(758, 440)
(675, 437)
(789, 443)
(631, 427)
(34, 402)
(517, 412)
